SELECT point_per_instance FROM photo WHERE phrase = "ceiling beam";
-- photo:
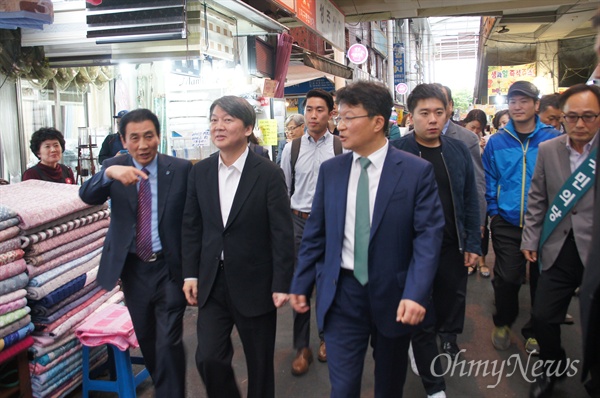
(564, 25)
(373, 10)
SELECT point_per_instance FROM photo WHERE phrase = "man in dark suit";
(373, 255)
(589, 295)
(239, 253)
(143, 244)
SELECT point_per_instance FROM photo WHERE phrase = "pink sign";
(358, 54)
(401, 88)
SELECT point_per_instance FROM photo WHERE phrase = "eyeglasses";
(346, 119)
(587, 118)
(288, 129)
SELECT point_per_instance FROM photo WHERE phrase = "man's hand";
(410, 312)
(530, 255)
(127, 175)
(298, 301)
(471, 259)
(190, 289)
(280, 299)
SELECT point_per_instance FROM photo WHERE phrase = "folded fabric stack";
(15, 321)
(60, 246)
(111, 325)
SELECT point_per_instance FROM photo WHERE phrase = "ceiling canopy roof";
(526, 20)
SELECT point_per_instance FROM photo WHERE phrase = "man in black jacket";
(461, 244)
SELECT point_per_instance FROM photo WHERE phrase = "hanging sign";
(358, 54)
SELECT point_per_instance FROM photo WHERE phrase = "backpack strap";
(295, 152)
(337, 145)
(337, 150)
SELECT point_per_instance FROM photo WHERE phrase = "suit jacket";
(172, 185)
(257, 242)
(589, 293)
(552, 169)
(406, 237)
(471, 140)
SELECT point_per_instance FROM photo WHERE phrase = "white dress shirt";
(229, 179)
(377, 159)
(576, 158)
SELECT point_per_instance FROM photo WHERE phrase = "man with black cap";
(508, 161)
(112, 144)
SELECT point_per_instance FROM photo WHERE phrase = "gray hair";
(297, 118)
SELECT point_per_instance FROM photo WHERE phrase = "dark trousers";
(450, 293)
(555, 289)
(157, 304)
(215, 350)
(301, 321)
(509, 272)
(485, 240)
(348, 327)
(449, 300)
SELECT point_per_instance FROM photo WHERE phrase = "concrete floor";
(475, 339)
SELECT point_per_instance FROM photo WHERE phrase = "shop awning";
(306, 65)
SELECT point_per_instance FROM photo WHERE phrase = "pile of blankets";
(15, 320)
(60, 243)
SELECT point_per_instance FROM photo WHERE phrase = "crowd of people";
(384, 231)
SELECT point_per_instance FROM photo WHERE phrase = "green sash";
(578, 183)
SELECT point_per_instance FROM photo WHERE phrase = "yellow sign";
(268, 127)
(500, 78)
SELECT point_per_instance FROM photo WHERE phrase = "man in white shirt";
(371, 246)
(238, 253)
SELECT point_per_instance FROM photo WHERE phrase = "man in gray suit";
(558, 225)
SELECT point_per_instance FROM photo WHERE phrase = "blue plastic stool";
(124, 381)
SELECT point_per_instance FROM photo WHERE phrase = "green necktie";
(362, 225)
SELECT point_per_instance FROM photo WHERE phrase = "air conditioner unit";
(327, 48)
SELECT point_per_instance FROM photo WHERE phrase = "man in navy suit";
(376, 286)
(151, 282)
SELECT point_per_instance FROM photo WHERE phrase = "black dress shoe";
(451, 349)
(542, 387)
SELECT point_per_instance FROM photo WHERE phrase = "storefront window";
(67, 111)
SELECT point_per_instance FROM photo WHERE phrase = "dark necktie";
(362, 225)
(143, 242)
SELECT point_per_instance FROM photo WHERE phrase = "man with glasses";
(371, 246)
(508, 161)
(300, 161)
(294, 128)
(558, 225)
(589, 299)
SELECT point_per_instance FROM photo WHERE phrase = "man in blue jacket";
(461, 244)
(509, 161)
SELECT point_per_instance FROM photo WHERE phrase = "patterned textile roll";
(11, 222)
(10, 244)
(13, 306)
(6, 213)
(16, 336)
(11, 269)
(11, 284)
(15, 349)
(10, 256)
(8, 233)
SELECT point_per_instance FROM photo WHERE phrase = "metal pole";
(390, 56)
